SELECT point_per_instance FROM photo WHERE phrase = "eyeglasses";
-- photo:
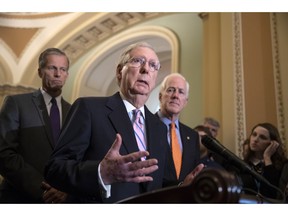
(140, 62)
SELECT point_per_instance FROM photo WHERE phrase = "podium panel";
(209, 186)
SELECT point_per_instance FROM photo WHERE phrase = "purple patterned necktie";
(138, 126)
(55, 120)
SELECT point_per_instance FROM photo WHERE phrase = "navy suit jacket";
(25, 146)
(190, 156)
(87, 137)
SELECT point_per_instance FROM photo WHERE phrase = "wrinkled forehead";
(146, 52)
(177, 82)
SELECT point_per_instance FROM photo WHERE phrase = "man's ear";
(119, 72)
(160, 96)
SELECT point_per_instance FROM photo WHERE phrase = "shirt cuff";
(105, 189)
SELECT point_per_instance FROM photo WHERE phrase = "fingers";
(142, 168)
(139, 179)
(45, 186)
(191, 176)
(116, 144)
(274, 144)
(115, 148)
(198, 169)
(137, 172)
(126, 168)
(140, 175)
(135, 156)
(54, 196)
(272, 148)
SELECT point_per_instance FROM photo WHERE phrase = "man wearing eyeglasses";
(97, 157)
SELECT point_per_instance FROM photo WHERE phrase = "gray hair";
(164, 82)
(125, 56)
(42, 61)
(212, 121)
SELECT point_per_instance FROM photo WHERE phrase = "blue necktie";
(55, 120)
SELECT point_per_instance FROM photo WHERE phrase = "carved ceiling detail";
(102, 29)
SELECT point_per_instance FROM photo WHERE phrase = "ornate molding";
(277, 79)
(104, 28)
(10, 89)
(240, 120)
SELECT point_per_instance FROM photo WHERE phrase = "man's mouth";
(143, 81)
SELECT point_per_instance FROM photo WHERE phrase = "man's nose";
(145, 68)
(175, 93)
(57, 71)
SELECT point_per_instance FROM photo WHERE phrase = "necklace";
(258, 167)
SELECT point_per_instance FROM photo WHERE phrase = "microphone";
(214, 145)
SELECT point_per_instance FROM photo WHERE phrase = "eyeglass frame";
(142, 62)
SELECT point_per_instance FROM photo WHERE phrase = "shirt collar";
(47, 97)
(167, 121)
(130, 107)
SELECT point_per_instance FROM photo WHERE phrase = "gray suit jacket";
(26, 144)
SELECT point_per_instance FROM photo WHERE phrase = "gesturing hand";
(191, 176)
(126, 168)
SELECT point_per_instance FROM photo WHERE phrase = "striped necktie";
(138, 126)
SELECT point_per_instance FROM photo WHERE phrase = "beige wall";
(260, 103)
(217, 83)
(243, 80)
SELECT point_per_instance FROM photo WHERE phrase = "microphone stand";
(215, 146)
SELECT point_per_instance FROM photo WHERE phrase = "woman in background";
(265, 155)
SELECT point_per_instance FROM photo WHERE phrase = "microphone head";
(212, 144)
(232, 160)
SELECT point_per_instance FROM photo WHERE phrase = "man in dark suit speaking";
(27, 134)
(100, 156)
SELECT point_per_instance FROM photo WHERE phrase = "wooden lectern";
(210, 186)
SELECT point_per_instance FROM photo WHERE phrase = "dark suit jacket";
(87, 137)
(25, 146)
(190, 156)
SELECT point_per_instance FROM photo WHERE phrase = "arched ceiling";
(23, 36)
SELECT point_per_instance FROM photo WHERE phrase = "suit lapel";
(65, 109)
(121, 122)
(152, 125)
(188, 149)
(39, 102)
